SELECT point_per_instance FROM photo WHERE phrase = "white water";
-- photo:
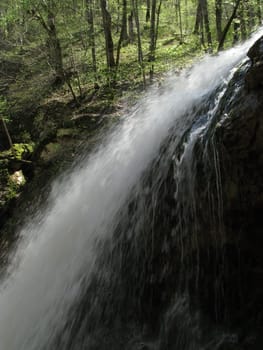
(57, 249)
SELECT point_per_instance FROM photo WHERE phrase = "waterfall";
(58, 261)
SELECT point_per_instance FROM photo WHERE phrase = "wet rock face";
(254, 77)
(240, 139)
(255, 53)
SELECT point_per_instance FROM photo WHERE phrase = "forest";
(69, 67)
(66, 64)
(94, 43)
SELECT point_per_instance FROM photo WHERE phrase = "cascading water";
(88, 272)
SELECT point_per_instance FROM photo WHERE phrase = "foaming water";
(58, 248)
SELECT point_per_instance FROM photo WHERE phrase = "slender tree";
(236, 31)
(106, 18)
(140, 53)
(179, 19)
(152, 32)
(202, 21)
(242, 17)
(218, 11)
(3, 117)
(123, 34)
(45, 13)
(227, 27)
(198, 18)
(205, 15)
(251, 15)
(46, 16)
(91, 37)
(158, 22)
(10, 142)
(259, 12)
(131, 29)
(186, 17)
(148, 10)
(155, 20)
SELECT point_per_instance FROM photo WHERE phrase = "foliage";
(53, 63)
(24, 22)
(59, 53)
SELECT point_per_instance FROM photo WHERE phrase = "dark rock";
(241, 142)
(254, 76)
(255, 53)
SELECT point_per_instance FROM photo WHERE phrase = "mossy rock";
(19, 151)
(67, 132)
(22, 150)
(50, 151)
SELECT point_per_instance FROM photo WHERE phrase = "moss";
(19, 151)
(50, 151)
(67, 132)
(22, 150)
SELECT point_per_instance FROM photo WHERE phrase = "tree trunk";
(54, 48)
(7, 133)
(131, 29)
(124, 26)
(140, 54)
(198, 18)
(236, 30)
(218, 5)
(148, 10)
(158, 22)
(75, 5)
(202, 35)
(201, 22)
(106, 17)
(186, 15)
(251, 16)
(224, 34)
(152, 32)
(243, 26)
(206, 22)
(180, 20)
(123, 34)
(91, 37)
(53, 42)
(259, 12)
